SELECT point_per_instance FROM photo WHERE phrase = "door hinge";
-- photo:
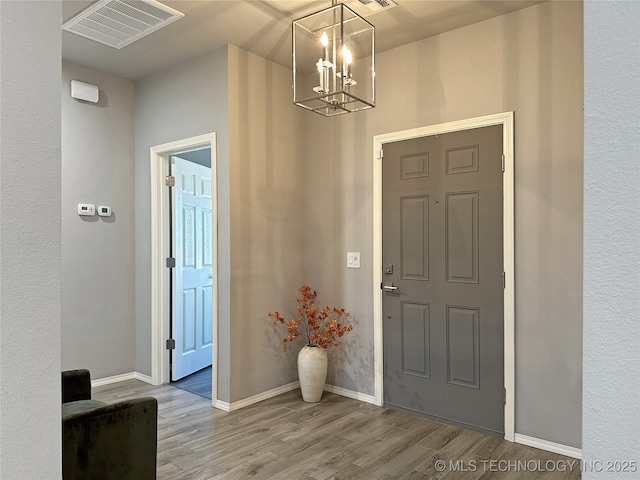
(503, 162)
(171, 262)
(170, 181)
(171, 344)
(504, 396)
(380, 154)
(504, 280)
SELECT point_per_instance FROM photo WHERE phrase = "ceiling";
(264, 28)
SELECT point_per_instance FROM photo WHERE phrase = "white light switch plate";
(353, 259)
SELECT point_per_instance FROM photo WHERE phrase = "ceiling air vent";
(374, 6)
(117, 23)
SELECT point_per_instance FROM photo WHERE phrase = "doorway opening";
(184, 265)
(505, 121)
(191, 282)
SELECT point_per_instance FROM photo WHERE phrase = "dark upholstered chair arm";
(111, 442)
(76, 385)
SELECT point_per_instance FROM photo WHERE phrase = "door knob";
(389, 288)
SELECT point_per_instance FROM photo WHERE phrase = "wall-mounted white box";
(104, 211)
(84, 91)
(86, 209)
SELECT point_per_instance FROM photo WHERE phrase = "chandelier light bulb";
(324, 40)
(347, 58)
(346, 54)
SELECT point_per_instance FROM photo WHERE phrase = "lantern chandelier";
(333, 61)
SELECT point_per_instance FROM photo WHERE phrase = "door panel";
(416, 356)
(414, 252)
(442, 235)
(463, 347)
(189, 321)
(461, 229)
(193, 289)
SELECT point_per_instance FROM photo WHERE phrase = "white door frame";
(506, 120)
(160, 243)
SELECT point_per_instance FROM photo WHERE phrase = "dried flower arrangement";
(320, 328)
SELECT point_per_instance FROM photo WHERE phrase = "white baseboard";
(363, 397)
(113, 379)
(548, 446)
(245, 402)
(142, 377)
(220, 405)
(121, 378)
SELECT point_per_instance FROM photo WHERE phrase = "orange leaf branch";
(320, 328)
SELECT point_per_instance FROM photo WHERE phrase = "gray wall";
(98, 301)
(611, 393)
(530, 62)
(30, 434)
(267, 219)
(260, 210)
(182, 102)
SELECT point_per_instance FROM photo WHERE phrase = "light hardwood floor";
(284, 438)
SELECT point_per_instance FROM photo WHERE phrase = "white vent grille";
(117, 23)
(374, 6)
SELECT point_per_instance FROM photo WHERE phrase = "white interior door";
(193, 285)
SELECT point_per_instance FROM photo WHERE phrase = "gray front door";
(442, 255)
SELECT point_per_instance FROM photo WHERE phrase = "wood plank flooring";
(284, 438)
(198, 383)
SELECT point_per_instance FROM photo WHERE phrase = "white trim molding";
(143, 378)
(506, 120)
(245, 402)
(160, 293)
(99, 382)
(548, 446)
(363, 397)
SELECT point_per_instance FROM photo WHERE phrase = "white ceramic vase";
(312, 372)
